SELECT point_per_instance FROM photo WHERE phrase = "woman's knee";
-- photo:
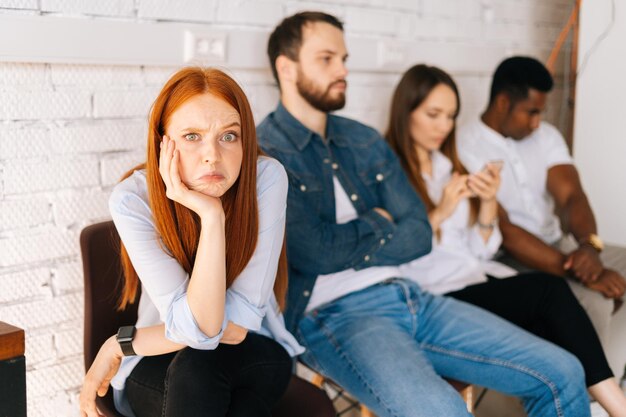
(195, 368)
(568, 373)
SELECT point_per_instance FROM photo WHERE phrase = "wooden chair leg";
(467, 394)
(365, 412)
(468, 397)
(317, 380)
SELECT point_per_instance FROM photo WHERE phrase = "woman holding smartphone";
(201, 225)
(463, 213)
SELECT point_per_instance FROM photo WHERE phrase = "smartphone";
(496, 163)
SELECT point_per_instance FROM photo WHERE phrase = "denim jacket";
(372, 176)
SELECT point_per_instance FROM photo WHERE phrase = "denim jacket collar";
(301, 135)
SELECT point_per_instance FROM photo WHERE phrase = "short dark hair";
(516, 75)
(286, 39)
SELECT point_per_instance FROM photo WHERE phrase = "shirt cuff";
(241, 312)
(379, 224)
(181, 327)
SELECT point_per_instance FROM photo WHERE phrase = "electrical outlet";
(205, 47)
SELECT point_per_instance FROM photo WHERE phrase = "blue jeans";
(390, 344)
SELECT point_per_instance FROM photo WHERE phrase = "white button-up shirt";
(250, 300)
(460, 257)
(523, 191)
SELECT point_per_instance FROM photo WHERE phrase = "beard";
(320, 99)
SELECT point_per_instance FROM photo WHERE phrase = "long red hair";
(179, 227)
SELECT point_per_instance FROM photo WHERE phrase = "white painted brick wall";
(30, 284)
(37, 105)
(48, 381)
(98, 136)
(40, 348)
(24, 213)
(458, 9)
(37, 175)
(68, 132)
(45, 313)
(92, 76)
(70, 207)
(157, 76)
(69, 342)
(12, 141)
(67, 277)
(114, 166)
(250, 12)
(43, 245)
(81, 7)
(19, 4)
(337, 10)
(17, 74)
(190, 10)
(123, 103)
(378, 22)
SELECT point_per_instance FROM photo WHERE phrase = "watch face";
(596, 242)
(126, 333)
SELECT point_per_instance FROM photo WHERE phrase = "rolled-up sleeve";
(247, 299)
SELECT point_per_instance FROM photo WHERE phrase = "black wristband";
(125, 336)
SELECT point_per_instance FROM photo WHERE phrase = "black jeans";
(544, 305)
(243, 380)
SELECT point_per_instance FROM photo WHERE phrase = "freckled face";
(207, 132)
(431, 122)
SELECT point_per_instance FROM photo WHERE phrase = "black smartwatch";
(125, 336)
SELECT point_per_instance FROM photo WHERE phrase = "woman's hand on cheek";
(176, 190)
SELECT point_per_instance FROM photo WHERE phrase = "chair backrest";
(99, 244)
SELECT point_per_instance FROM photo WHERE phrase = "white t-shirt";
(329, 287)
(523, 191)
(460, 257)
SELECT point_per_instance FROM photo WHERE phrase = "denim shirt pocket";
(307, 187)
(375, 177)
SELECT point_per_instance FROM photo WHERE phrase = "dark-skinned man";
(538, 177)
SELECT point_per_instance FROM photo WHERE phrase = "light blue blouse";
(250, 301)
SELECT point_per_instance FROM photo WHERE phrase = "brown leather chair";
(103, 282)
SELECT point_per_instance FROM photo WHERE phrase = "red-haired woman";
(201, 224)
(462, 210)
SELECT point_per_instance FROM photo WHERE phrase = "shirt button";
(389, 236)
(380, 177)
(366, 258)
(335, 166)
(326, 161)
(383, 241)
(303, 188)
(306, 293)
(354, 197)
